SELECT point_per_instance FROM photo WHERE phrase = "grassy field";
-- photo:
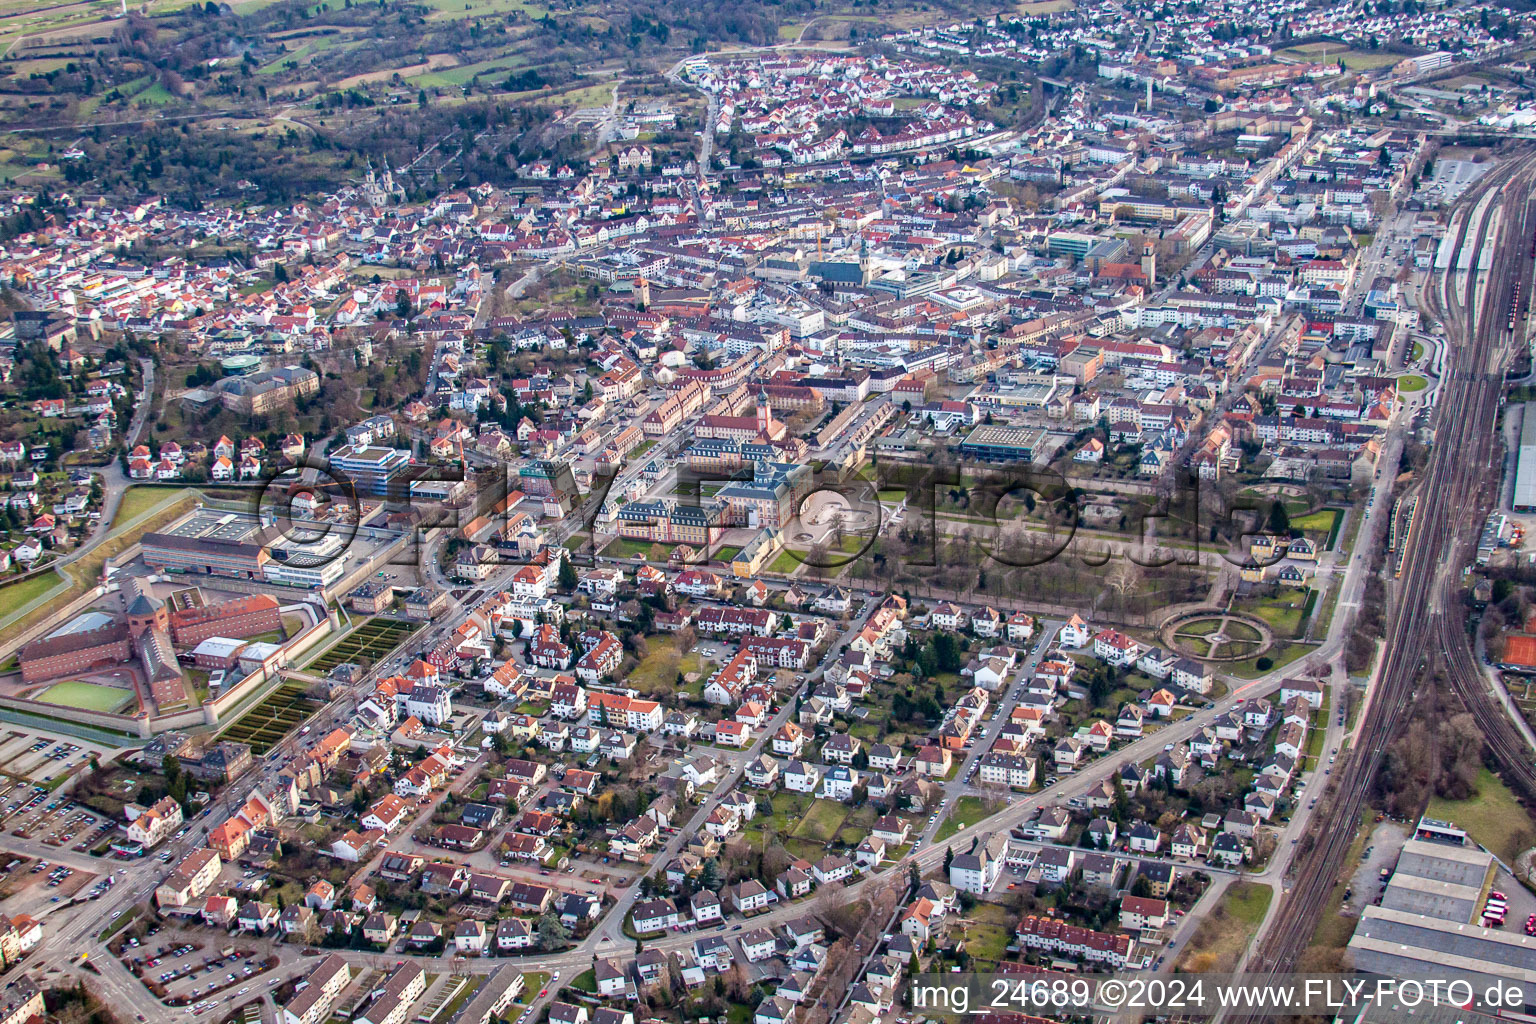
(489, 69)
(1330, 53)
(1278, 656)
(821, 821)
(533, 981)
(1324, 520)
(1282, 613)
(807, 826)
(626, 547)
(1418, 351)
(1492, 816)
(988, 931)
(590, 96)
(88, 696)
(1411, 383)
(1367, 60)
(658, 669)
(1317, 732)
(788, 809)
(86, 571)
(466, 10)
(967, 811)
(1219, 942)
(786, 563)
(18, 594)
(1310, 51)
(1236, 630)
(136, 501)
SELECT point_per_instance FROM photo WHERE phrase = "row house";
(1053, 935)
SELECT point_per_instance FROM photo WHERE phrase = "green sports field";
(87, 696)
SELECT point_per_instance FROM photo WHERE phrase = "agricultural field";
(370, 641)
(293, 97)
(265, 725)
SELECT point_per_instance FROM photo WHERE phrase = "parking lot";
(1520, 903)
(43, 758)
(27, 812)
(36, 884)
(187, 971)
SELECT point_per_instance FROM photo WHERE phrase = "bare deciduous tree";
(1122, 579)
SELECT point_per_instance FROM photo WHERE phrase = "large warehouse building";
(212, 543)
(1426, 925)
(1406, 945)
(1525, 461)
(1439, 880)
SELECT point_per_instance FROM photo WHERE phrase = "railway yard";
(1427, 631)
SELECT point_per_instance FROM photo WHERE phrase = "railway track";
(1466, 677)
(1517, 254)
(1425, 606)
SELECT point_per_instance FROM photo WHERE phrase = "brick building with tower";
(150, 631)
(148, 619)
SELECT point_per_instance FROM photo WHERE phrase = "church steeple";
(764, 412)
